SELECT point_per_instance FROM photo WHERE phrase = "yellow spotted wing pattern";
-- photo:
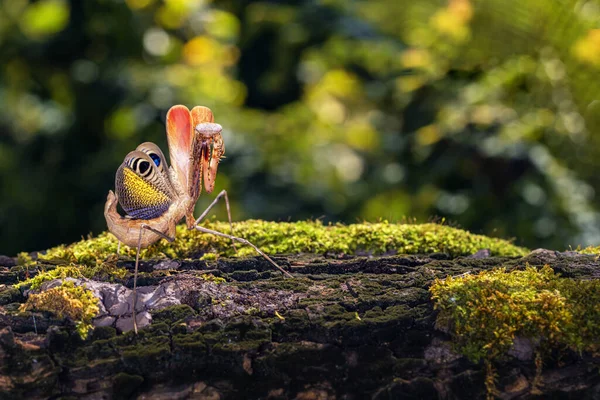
(144, 191)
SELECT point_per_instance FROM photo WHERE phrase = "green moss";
(173, 314)
(209, 257)
(9, 294)
(106, 270)
(24, 258)
(212, 278)
(485, 312)
(296, 237)
(103, 333)
(60, 272)
(125, 385)
(144, 359)
(88, 251)
(589, 250)
(67, 300)
(102, 271)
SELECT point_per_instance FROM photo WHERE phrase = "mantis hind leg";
(247, 243)
(137, 262)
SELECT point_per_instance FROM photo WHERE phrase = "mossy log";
(346, 326)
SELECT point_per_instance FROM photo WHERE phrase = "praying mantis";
(155, 197)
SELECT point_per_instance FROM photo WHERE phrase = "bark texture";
(344, 328)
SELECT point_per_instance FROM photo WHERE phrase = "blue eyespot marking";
(156, 159)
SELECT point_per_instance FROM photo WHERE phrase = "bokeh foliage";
(484, 112)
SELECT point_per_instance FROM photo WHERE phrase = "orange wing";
(180, 135)
(181, 138)
(202, 114)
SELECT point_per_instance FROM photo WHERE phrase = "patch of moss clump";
(589, 250)
(174, 314)
(9, 294)
(125, 385)
(487, 311)
(24, 259)
(296, 237)
(67, 300)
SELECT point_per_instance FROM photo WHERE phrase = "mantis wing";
(184, 152)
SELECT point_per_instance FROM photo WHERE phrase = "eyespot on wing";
(142, 190)
(157, 156)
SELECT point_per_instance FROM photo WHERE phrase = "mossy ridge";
(296, 237)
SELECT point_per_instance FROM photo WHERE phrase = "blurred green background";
(485, 113)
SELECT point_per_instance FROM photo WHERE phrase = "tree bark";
(347, 327)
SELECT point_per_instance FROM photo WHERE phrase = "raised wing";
(202, 114)
(180, 136)
(143, 191)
